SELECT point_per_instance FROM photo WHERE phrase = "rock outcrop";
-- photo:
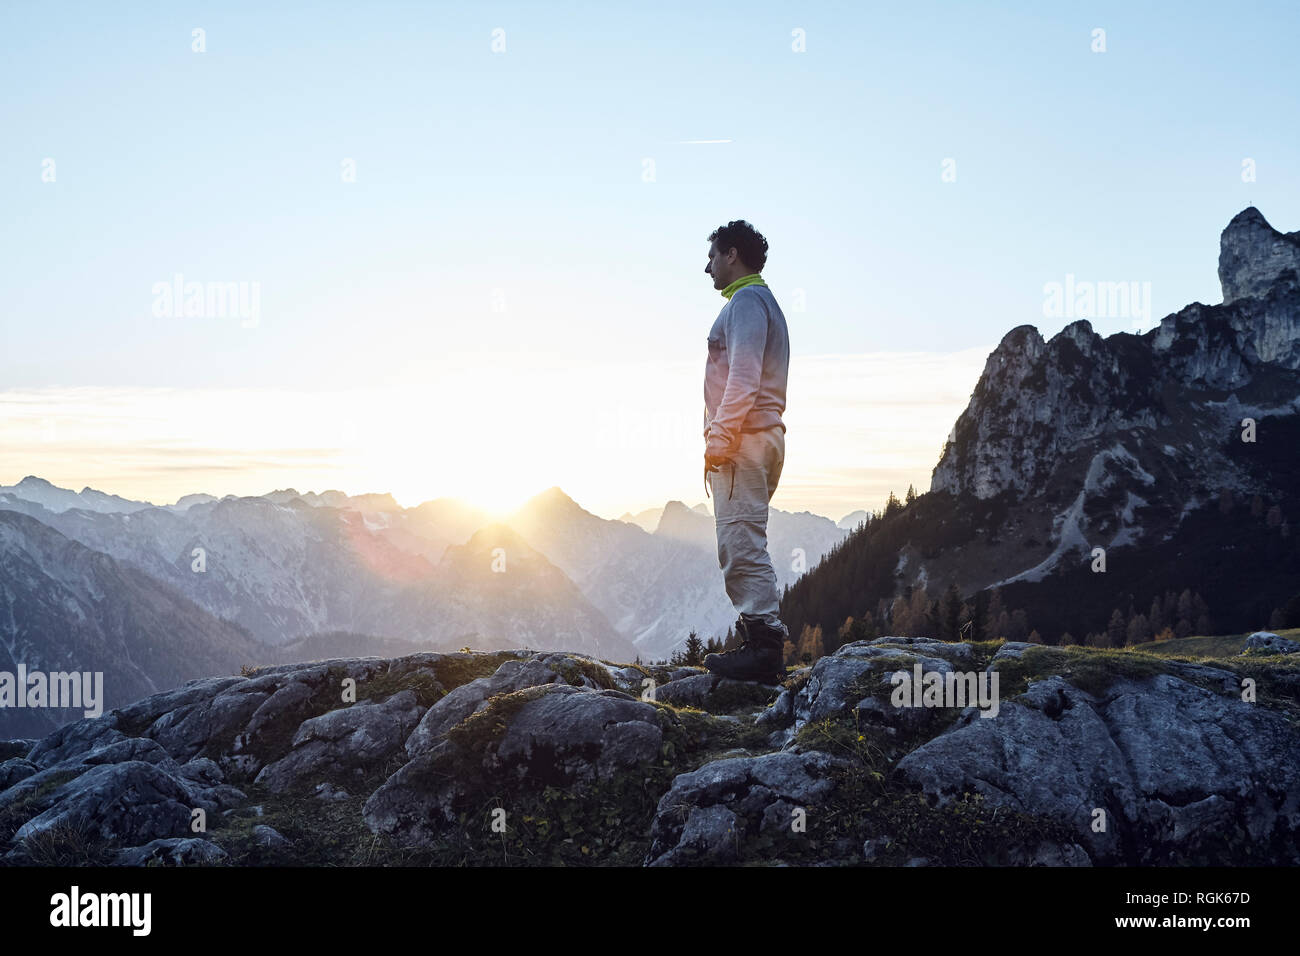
(532, 758)
(1255, 259)
(1148, 771)
(1266, 642)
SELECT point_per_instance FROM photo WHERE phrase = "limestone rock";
(345, 742)
(707, 811)
(175, 851)
(549, 734)
(469, 698)
(270, 837)
(1178, 769)
(132, 802)
(14, 770)
(713, 693)
(1254, 258)
(1266, 642)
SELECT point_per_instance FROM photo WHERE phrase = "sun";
(496, 494)
(471, 436)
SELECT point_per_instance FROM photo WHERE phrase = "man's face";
(724, 267)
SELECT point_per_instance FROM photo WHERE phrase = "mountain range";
(259, 579)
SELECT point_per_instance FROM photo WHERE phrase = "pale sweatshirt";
(749, 362)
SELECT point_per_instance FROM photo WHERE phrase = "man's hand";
(712, 463)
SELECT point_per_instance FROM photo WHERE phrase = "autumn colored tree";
(810, 647)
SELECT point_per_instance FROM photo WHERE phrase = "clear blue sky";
(522, 172)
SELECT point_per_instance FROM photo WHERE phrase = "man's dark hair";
(748, 242)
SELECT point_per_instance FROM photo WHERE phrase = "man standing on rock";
(744, 396)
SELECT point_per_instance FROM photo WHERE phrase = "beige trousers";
(740, 517)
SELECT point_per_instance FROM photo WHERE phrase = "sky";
(464, 243)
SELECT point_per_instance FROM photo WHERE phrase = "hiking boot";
(758, 658)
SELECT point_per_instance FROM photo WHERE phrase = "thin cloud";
(618, 435)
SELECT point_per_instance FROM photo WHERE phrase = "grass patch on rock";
(320, 833)
(1095, 670)
(1276, 677)
(32, 803)
(428, 691)
(574, 669)
(453, 670)
(70, 843)
(1091, 669)
(485, 727)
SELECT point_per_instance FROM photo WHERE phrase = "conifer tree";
(1116, 630)
(950, 613)
(732, 640)
(694, 655)
(1019, 625)
(979, 617)
(1139, 630)
(892, 505)
(1156, 616)
(994, 626)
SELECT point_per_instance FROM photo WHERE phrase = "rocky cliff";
(1135, 444)
(1046, 411)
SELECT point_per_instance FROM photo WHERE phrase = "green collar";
(752, 279)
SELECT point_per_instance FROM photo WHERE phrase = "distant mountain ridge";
(41, 492)
(656, 587)
(288, 565)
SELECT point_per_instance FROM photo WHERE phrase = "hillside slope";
(64, 607)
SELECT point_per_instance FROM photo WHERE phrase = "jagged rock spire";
(1254, 257)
